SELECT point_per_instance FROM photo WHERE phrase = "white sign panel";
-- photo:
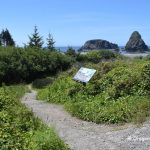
(84, 74)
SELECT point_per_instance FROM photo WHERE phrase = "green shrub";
(71, 52)
(41, 83)
(81, 57)
(98, 56)
(145, 85)
(25, 65)
(48, 140)
(19, 129)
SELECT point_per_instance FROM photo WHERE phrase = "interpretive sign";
(84, 74)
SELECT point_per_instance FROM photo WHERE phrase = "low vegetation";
(19, 130)
(118, 92)
(96, 56)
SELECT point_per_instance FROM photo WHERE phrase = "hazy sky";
(72, 22)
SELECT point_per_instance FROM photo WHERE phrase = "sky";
(73, 22)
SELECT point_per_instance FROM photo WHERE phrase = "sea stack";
(136, 43)
(98, 44)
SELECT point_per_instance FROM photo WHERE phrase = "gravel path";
(82, 135)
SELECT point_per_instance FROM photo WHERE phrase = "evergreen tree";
(6, 38)
(71, 52)
(0, 40)
(3, 38)
(50, 43)
(35, 40)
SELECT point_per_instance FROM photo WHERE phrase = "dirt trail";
(82, 135)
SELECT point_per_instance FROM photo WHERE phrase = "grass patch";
(19, 129)
(48, 140)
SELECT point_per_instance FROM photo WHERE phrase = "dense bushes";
(118, 92)
(41, 83)
(19, 129)
(17, 64)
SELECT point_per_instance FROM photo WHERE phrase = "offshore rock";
(136, 43)
(98, 44)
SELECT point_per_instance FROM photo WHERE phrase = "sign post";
(84, 75)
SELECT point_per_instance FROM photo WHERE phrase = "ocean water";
(64, 48)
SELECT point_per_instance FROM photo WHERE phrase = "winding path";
(82, 135)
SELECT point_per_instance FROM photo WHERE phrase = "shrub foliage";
(19, 129)
(96, 56)
(118, 92)
(25, 65)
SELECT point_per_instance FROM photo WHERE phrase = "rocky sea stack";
(97, 45)
(136, 43)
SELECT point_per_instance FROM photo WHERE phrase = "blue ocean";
(64, 48)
